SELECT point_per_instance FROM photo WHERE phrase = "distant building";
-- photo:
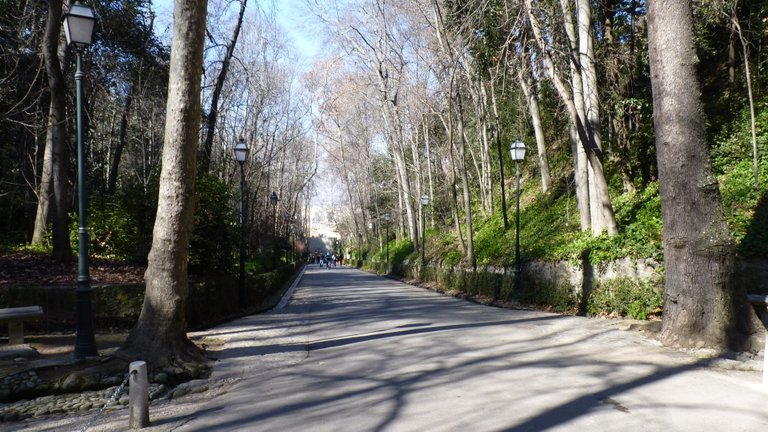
(323, 225)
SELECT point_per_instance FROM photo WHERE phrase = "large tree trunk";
(56, 143)
(160, 335)
(701, 306)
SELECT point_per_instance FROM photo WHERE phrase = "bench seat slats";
(757, 299)
(20, 313)
(15, 318)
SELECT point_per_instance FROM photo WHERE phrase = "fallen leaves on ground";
(34, 269)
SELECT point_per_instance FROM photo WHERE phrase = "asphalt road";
(355, 352)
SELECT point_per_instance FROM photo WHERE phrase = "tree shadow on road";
(379, 337)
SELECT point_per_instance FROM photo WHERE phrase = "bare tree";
(592, 191)
(213, 111)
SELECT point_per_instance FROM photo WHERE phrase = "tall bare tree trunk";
(55, 184)
(748, 76)
(451, 173)
(603, 218)
(160, 335)
(428, 157)
(121, 133)
(701, 306)
(213, 112)
(498, 135)
(574, 102)
(418, 173)
(580, 179)
(44, 197)
(467, 197)
(524, 77)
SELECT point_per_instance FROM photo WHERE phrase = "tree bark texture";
(526, 84)
(701, 306)
(160, 333)
(55, 186)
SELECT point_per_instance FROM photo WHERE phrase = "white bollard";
(138, 395)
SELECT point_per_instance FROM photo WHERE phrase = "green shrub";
(626, 297)
(638, 216)
(401, 250)
(214, 235)
(114, 231)
(745, 208)
(121, 226)
(558, 298)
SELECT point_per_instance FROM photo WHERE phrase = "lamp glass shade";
(241, 151)
(386, 217)
(517, 150)
(424, 199)
(273, 198)
(79, 22)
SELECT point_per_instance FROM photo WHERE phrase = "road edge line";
(289, 293)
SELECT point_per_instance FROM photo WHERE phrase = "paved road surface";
(355, 352)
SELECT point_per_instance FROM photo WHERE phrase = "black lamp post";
(517, 151)
(359, 246)
(289, 233)
(78, 27)
(241, 154)
(273, 199)
(370, 233)
(386, 240)
(424, 203)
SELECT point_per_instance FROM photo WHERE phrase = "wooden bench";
(15, 318)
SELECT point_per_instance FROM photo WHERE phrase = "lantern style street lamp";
(386, 240)
(273, 199)
(79, 22)
(517, 151)
(424, 204)
(241, 155)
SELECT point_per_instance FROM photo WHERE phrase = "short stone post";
(138, 395)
